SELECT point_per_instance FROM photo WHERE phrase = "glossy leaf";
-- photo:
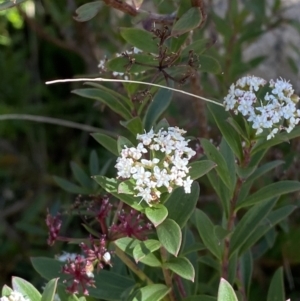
(141, 39)
(87, 11)
(107, 142)
(276, 289)
(249, 223)
(49, 291)
(226, 292)
(199, 168)
(182, 267)
(152, 292)
(214, 155)
(156, 214)
(25, 288)
(181, 205)
(206, 231)
(170, 236)
(272, 190)
(108, 99)
(142, 249)
(187, 22)
(157, 107)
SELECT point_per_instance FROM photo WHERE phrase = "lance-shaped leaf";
(182, 267)
(144, 248)
(107, 142)
(123, 142)
(156, 214)
(6, 290)
(108, 99)
(81, 176)
(188, 21)
(134, 125)
(226, 292)
(181, 205)
(159, 104)
(276, 289)
(200, 168)
(88, 11)
(25, 288)
(49, 291)
(69, 186)
(208, 64)
(141, 39)
(200, 298)
(206, 231)
(152, 292)
(170, 236)
(198, 47)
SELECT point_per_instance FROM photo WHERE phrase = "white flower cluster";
(276, 111)
(157, 164)
(14, 296)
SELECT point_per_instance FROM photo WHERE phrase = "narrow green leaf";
(144, 248)
(123, 142)
(181, 205)
(107, 142)
(246, 270)
(134, 125)
(94, 163)
(126, 187)
(49, 291)
(152, 292)
(199, 168)
(206, 231)
(26, 289)
(182, 267)
(69, 186)
(270, 191)
(108, 99)
(276, 290)
(141, 39)
(111, 186)
(87, 11)
(226, 292)
(9, 4)
(6, 290)
(198, 47)
(187, 22)
(200, 298)
(156, 214)
(170, 236)
(249, 223)
(81, 176)
(159, 104)
(193, 248)
(208, 64)
(214, 155)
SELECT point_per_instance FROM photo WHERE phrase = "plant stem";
(132, 266)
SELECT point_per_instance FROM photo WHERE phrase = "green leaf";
(81, 176)
(126, 187)
(108, 99)
(50, 289)
(187, 22)
(159, 104)
(144, 248)
(141, 39)
(208, 64)
(199, 168)
(134, 125)
(198, 47)
(123, 142)
(156, 214)
(246, 269)
(270, 191)
(170, 236)
(181, 205)
(276, 289)
(87, 11)
(9, 4)
(214, 155)
(206, 231)
(152, 292)
(6, 290)
(26, 289)
(69, 186)
(249, 223)
(107, 142)
(226, 292)
(93, 163)
(231, 136)
(182, 267)
(200, 298)
(111, 186)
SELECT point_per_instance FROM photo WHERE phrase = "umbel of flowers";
(275, 110)
(158, 164)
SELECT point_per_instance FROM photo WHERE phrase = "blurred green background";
(41, 40)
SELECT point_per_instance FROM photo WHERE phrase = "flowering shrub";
(147, 235)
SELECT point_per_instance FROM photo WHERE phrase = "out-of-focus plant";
(146, 236)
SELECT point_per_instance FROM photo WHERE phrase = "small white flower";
(15, 296)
